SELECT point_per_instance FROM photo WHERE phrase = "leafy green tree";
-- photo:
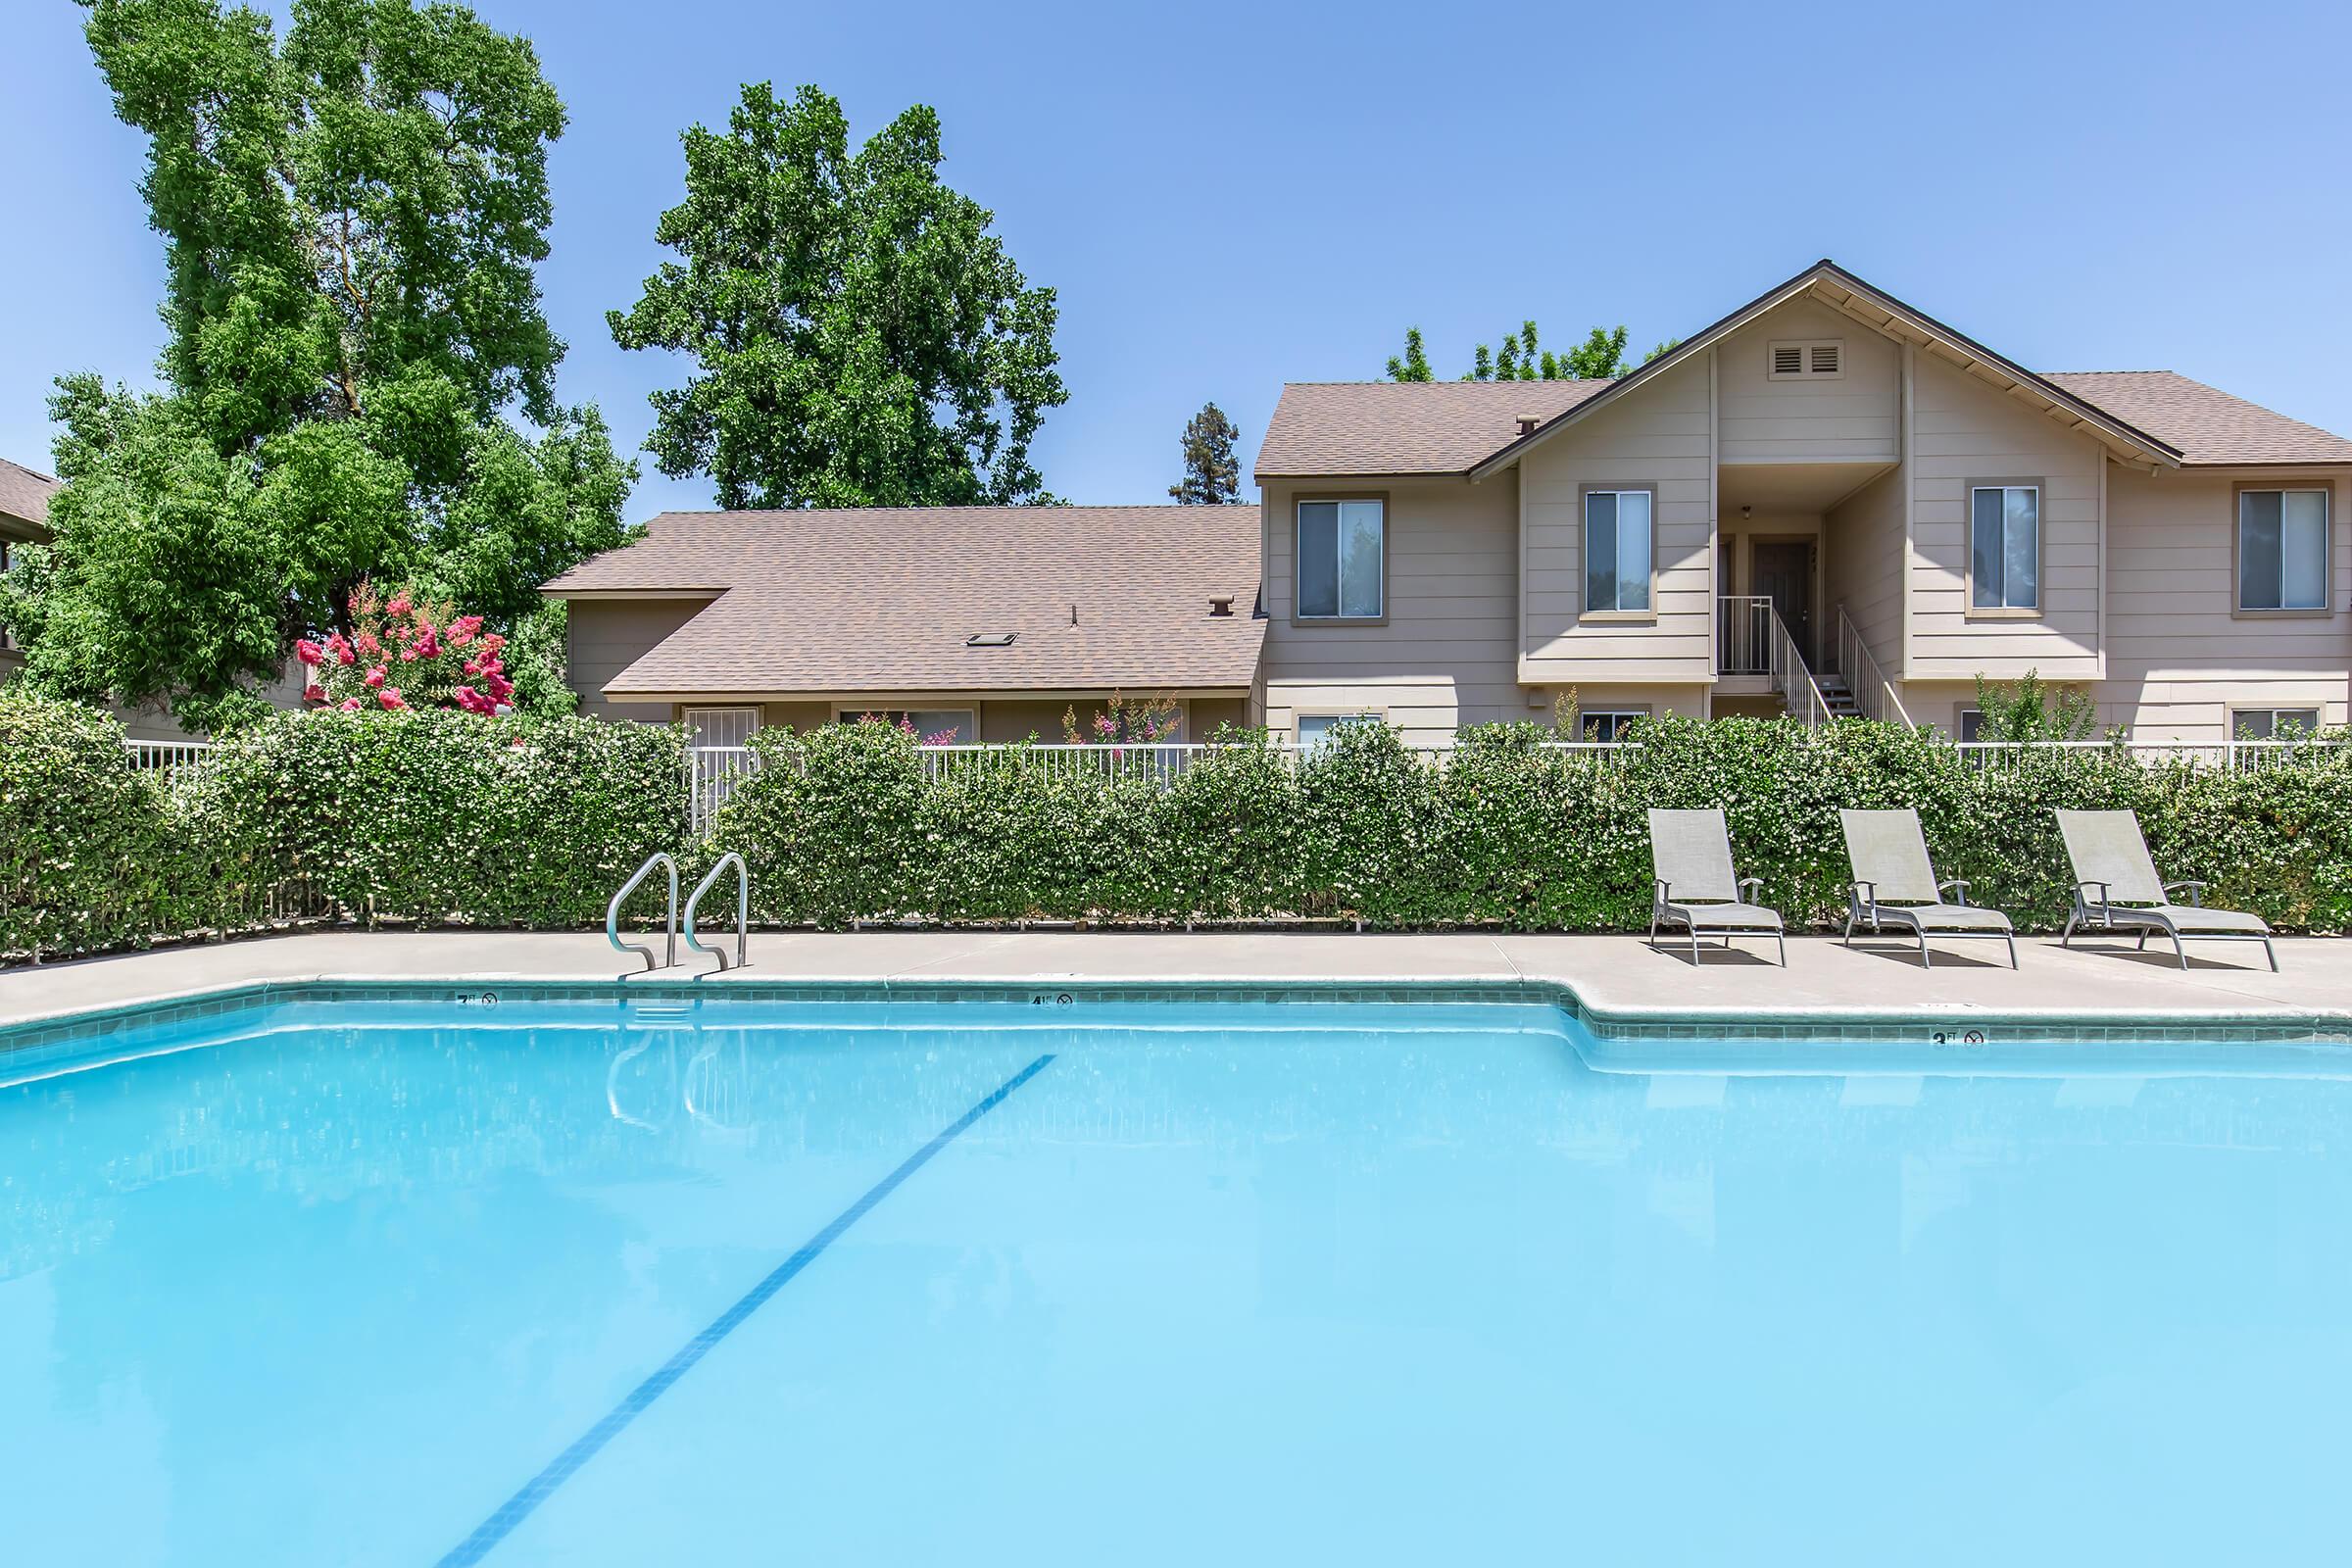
(1414, 366)
(1212, 476)
(1600, 356)
(351, 218)
(1521, 358)
(860, 335)
(2033, 710)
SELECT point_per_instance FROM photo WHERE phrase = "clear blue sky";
(1228, 197)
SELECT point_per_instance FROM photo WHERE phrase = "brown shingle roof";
(881, 599)
(1329, 428)
(2206, 424)
(24, 493)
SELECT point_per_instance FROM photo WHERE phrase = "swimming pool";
(589, 1280)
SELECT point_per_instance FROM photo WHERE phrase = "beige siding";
(1444, 656)
(1864, 569)
(1660, 435)
(1849, 418)
(2178, 659)
(606, 636)
(1964, 431)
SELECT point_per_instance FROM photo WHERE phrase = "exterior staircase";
(1836, 695)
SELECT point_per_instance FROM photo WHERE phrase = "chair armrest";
(1957, 882)
(2196, 892)
(1664, 889)
(2100, 902)
(1865, 894)
(1745, 884)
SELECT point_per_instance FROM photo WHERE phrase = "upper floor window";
(1341, 545)
(2282, 550)
(2005, 547)
(1617, 550)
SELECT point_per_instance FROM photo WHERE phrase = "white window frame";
(1339, 611)
(2005, 609)
(2238, 717)
(692, 718)
(969, 727)
(1646, 611)
(1300, 721)
(1618, 718)
(1804, 346)
(1960, 720)
(2237, 551)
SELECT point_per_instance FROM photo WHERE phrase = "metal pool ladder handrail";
(743, 909)
(669, 920)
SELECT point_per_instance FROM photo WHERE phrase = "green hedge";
(440, 818)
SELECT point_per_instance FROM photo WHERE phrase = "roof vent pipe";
(1528, 423)
(1221, 606)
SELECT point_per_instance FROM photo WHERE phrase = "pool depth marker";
(542, 1486)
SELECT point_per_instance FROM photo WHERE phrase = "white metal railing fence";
(2237, 756)
(174, 761)
(1799, 694)
(1743, 634)
(1874, 693)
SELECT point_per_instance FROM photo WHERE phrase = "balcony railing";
(1874, 693)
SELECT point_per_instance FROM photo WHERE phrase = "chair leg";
(1653, 928)
(1927, 959)
(1849, 930)
(2012, 952)
(2178, 951)
(1694, 943)
(2067, 937)
(2272, 954)
(1782, 937)
(2144, 940)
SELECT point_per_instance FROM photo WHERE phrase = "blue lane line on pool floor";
(542, 1486)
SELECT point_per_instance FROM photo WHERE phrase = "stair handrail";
(743, 910)
(1789, 663)
(670, 919)
(1863, 674)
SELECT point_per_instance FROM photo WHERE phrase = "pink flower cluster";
(445, 658)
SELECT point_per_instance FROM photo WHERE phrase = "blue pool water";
(586, 1281)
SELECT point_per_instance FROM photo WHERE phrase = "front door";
(1782, 570)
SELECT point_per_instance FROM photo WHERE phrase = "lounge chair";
(2116, 890)
(1895, 886)
(1691, 854)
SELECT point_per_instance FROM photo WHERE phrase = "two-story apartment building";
(1826, 500)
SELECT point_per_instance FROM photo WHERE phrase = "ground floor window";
(931, 726)
(1607, 724)
(1972, 725)
(721, 727)
(2273, 723)
(1315, 728)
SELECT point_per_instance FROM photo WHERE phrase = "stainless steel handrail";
(670, 919)
(743, 909)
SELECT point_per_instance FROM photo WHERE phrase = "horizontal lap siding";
(2178, 661)
(1964, 431)
(1850, 418)
(605, 636)
(1445, 654)
(1658, 436)
(1865, 567)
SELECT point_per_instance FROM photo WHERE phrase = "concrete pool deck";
(1613, 975)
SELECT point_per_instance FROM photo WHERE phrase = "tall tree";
(1212, 476)
(860, 335)
(1414, 366)
(352, 219)
(1522, 359)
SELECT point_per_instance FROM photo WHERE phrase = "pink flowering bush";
(1127, 722)
(406, 652)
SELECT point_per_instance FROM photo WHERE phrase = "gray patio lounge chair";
(1696, 888)
(2116, 890)
(1895, 887)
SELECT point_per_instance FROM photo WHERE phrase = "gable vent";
(1817, 359)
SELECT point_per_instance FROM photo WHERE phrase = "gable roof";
(25, 491)
(1833, 285)
(882, 598)
(2207, 424)
(1332, 428)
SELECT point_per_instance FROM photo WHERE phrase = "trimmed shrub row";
(447, 818)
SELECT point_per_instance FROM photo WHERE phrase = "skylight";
(991, 639)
